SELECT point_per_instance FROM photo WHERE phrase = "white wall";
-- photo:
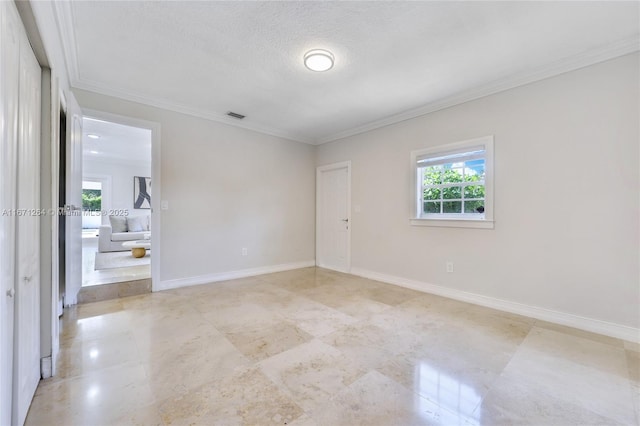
(227, 188)
(121, 174)
(566, 235)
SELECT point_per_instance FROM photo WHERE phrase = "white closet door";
(27, 304)
(9, 66)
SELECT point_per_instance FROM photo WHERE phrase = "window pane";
(452, 175)
(432, 175)
(452, 207)
(432, 193)
(452, 192)
(474, 170)
(476, 206)
(92, 199)
(475, 191)
(431, 207)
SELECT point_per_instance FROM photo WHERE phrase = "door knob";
(26, 279)
(345, 220)
(11, 292)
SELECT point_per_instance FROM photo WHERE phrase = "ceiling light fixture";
(318, 60)
(92, 136)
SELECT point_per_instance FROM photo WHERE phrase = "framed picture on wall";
(141, 192)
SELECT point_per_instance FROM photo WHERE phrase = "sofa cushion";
(118, 223)
(128, 236)
(137, 223)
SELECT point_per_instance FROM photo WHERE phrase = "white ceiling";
(394, 60)
(116, 142)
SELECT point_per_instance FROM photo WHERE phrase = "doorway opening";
(116, 227)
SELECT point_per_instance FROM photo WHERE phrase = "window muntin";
(455, 187)
(453, 184)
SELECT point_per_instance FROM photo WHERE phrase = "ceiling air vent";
(235, 115)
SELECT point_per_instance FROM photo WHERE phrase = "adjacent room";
(116, 194)
(362, 213)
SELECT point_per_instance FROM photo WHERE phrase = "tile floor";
(315, 347)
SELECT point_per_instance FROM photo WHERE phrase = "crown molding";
(95, 87)
(572, 63)
(66, 28)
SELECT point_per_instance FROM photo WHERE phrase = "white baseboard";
(230, 275)
(46, 370)
(588, 324)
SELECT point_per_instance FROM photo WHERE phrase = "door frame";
(319, 228)
(155, 179)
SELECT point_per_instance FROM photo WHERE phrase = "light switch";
(164, 205)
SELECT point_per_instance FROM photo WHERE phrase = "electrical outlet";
(244, 251)
(449, 267)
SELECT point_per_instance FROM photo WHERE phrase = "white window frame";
(484, 220)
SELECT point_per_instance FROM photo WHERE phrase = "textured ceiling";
(393, 59)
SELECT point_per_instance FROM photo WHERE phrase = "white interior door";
(9, 77)
(73, 221)
(27, 281)
(333, 239)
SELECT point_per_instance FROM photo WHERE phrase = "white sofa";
(112, 241)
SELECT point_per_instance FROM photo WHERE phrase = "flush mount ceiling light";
(318, 60)
(92, 136)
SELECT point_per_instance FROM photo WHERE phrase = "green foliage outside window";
(436, 197)
(92, 199)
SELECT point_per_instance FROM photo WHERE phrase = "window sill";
(453, 223)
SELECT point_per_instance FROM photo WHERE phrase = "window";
(91, 196)
(453, 184)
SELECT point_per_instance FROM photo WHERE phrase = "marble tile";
(108, 291)
(301, 279)
(315, 318)
(571, 370)
(312, 372)
(152, 302)
(268, 341)
(633, 364)
(238, 317)
(513, 401)
(94, 398)
(245, 397)
(581, 333)
(632, 346)
(134, 287)
(178, 368)
(87, 310)
(318, 347)
(303, 420)
(142, 416)
(391, 295)
(633, 367)
(369, 345)
(92, 327)
(95, 354)
(349, 299)
(466, 358)
(374, 399)
(97, 293)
